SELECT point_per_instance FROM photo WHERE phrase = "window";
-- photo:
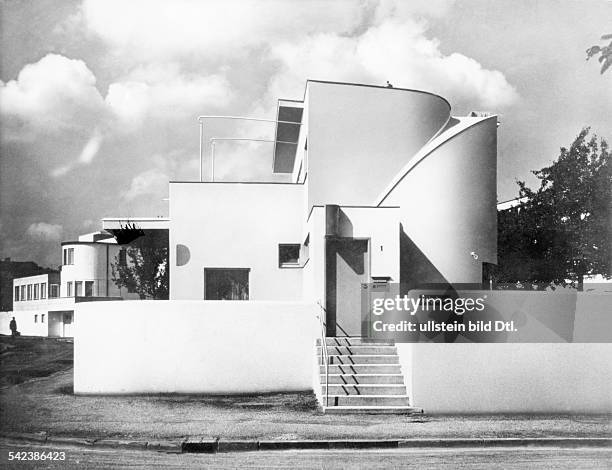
(35, 318)
(68, 255)
(43, 290)
(23, 293)
(69, 291)
(123, 257)
(89, 288)
(35, 296)
(54, 293)
(67, 318)
(16, 296)
(288, 255)
(29, 291)
(226, 284)
(42, 318)
(78, 288)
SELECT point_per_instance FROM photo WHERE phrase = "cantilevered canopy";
(287, 135)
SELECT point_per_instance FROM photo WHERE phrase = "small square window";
(288, 254)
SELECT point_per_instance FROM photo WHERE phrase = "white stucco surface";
(512, 378)
(193, 347)
(235, 225)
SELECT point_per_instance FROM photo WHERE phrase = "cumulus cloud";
(153, 182)
(395, 51)
(172, 96)
(158, 29)
(42, 231)
(55, 94)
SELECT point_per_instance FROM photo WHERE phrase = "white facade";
(380, 185)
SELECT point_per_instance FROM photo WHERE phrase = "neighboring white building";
(43, 305)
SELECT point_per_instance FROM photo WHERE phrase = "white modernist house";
(43, 305)
(366, 184)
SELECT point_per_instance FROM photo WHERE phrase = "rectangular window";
(42, 318)
(288, 255)
(226, 284)
(54, 293)
(35, 296)
(43, 290)
(29, 291)
(69, 291)
(35, 318)
(23, 292)
(16, 296)
(123, 257)
(68, 255)
(89, 288)
(78, 288)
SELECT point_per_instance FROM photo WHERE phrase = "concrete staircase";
(364, 377)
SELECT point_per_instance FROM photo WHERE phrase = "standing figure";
(13, 327)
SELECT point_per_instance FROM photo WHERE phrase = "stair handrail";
(324, 354)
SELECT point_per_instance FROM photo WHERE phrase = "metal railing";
(324, 354)
(244, 118)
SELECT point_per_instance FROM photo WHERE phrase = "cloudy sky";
(99, 98)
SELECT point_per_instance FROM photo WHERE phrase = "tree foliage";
(146, 270)
(605, 53)
(561, 231)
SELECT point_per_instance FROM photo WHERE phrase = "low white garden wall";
(213, 347)
(555, 377)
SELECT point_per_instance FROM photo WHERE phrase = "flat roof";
(145, 223)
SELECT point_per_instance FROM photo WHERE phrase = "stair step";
(354, 341)
(366, 400)
(408, 410)
(362, 369)
(363, 359)
(359, 350)
(363, 379)
(365, 390)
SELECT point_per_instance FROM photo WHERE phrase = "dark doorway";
(347, 268)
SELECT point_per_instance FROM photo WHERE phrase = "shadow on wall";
(415, 268)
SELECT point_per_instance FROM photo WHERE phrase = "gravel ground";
(47, 404)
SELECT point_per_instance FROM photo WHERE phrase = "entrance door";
(347, 267)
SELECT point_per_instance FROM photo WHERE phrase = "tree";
(561, 231)
(605, 53)
(146, 270)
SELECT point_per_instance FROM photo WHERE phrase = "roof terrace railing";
(244, 118)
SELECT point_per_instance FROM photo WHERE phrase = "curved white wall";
(92, 262)
(360, 137)
(448, 203)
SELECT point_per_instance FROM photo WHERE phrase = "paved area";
(516, 458)
(47, 404)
